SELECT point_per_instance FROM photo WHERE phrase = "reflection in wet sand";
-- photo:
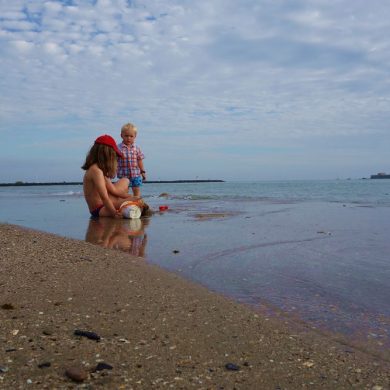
(127, 235)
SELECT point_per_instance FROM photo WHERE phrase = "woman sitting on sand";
(103, 197)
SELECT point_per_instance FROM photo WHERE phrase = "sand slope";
(157, 330)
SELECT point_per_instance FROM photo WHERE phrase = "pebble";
(87, 334)
(8, 306)
(77, 374)
(232, 367)
(103, 366)
(44, 365)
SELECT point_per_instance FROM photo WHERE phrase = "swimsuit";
(95, 212)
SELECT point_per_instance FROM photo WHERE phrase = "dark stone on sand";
(8, 306)
(176, 251)
(232, 367)
(85, 258)
(77, 374)
(10, 350)
(87, 334)
(44, 365)
(47, 332)
(103, 366)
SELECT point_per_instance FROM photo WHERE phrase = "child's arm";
(142, 168)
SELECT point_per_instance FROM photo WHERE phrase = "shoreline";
(157, 330)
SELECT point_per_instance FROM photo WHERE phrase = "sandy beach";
(150, 328)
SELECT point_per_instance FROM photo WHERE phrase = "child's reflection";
(125, 234)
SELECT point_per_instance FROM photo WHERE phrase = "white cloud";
(16, 25)
(23, 46)
(270, 72)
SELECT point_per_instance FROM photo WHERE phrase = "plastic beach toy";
(163, 208)
(130, 210)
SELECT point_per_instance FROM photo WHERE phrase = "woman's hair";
(105, 157)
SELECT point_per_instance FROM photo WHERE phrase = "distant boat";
(380, 175)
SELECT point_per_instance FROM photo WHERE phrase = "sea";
(314, 252)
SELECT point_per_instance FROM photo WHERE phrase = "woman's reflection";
(125, 234)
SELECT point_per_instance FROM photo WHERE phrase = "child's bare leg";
(136, 191)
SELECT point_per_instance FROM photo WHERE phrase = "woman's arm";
(101, 188)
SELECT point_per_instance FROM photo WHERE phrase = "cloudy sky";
(231, 89)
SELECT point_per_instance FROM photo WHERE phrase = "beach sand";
(156, 329)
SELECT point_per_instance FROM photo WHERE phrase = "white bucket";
(131, 212)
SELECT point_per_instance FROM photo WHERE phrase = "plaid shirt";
(128, 166)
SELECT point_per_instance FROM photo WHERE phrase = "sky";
(218, 89)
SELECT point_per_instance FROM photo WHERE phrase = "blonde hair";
(104, 157)
(128, 126)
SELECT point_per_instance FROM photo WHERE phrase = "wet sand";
(156, 330)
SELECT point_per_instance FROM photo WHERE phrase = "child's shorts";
(136, 181)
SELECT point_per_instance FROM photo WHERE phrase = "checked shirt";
(128, 166)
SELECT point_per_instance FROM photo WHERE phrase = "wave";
(66, 193)
(359, 193)
(40, 194)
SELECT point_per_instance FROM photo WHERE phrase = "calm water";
(318, 250)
